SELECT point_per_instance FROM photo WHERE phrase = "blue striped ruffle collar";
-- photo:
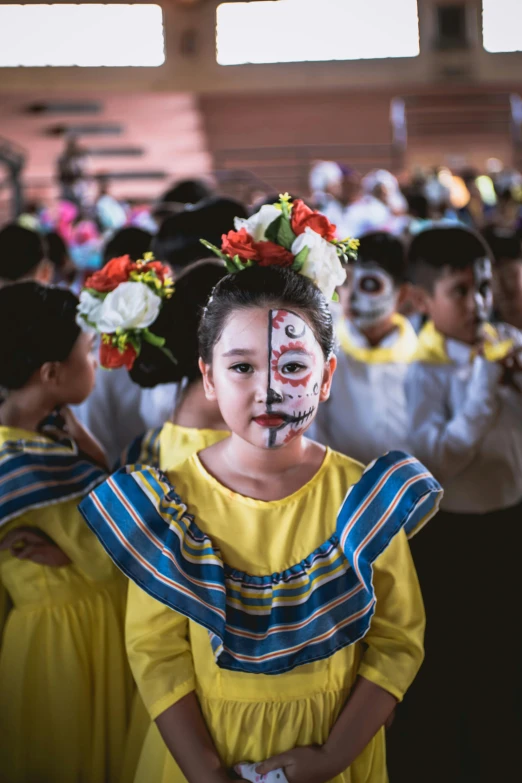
(39, 472)
(262, 624)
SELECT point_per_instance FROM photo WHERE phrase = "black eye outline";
(299, 365)
(236, 367)
(373, 280)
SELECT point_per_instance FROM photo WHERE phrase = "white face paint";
(295, 370)
(483, 295)
(373, 295)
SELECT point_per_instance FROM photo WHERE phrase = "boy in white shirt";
(463, 719)
(366, 413)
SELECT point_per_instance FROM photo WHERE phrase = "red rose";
(116, 271)
(271, 254)
(111, 358)
(304, 217)
(239, 243)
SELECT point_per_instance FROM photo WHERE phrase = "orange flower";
(111, 357)
(116, 271)
(239, 243)
(304, 217)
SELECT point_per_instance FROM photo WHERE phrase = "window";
(86, 35)
(502, 25)
(297, 30)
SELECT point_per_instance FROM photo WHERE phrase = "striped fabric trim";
(262, 624)
(37, 473)
(144, 450)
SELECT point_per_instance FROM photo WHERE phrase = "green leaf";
(230, 266)
(168, 354)
(300, 259)
(272, 231)
(97, 294)
(285, 235)
(214, 249)
(135, 342)
(153, 339)
(335, 297)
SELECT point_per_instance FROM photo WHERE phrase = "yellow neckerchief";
(401, 352)
(431, 347)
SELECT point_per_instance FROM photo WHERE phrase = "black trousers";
(462, 718)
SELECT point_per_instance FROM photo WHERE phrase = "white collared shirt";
(118, 410)
(467, 428)
(366, 413)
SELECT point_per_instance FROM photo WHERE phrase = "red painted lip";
(271, 420)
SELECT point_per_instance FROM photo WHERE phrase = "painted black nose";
(273, 397)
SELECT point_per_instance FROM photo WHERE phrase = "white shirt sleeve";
(447, 441)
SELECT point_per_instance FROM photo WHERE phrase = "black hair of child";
(384, 249)
(441, 247)
(187, 191)
(129, 241)
(57, 252)
(178, 323)
(177, 241)
(38, 325)
(505, 243)
(264, 287)
(21, 250)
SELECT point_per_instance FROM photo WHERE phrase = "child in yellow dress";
(64, 682)
(274, 613)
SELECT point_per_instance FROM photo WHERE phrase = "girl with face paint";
(366, 413)
(273, 617)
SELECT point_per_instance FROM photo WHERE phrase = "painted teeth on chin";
(300, 418)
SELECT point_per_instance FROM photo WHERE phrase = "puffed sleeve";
(395, 640)
(159, 651)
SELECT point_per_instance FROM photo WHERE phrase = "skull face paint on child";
(373, 296)
(295, 373)
(483, 292)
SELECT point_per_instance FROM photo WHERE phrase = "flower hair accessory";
(120, 302)
(288, 234)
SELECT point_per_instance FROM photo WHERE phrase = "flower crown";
(120, 302)
(288, 234)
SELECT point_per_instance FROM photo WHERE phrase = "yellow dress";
(254, 716)
(65, 686)
(164, 448)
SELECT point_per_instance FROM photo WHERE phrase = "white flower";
(322, 265)
(258, 223)
(129, 306)
(89, 310)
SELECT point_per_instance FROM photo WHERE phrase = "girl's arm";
(366, 711)
(160, 656)
(186, 736)
(393, 655)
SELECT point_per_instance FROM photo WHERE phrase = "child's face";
(268, 376)
(369, 296)
(507, 291)
(461, 302)
(76, 375)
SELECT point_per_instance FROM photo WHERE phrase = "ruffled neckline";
(262, 624)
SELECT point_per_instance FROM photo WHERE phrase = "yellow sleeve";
(395, 640)
(159, 651)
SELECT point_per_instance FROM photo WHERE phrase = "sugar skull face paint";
(295, 368)
(268, 375)
(373, 295)
(483, 292)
